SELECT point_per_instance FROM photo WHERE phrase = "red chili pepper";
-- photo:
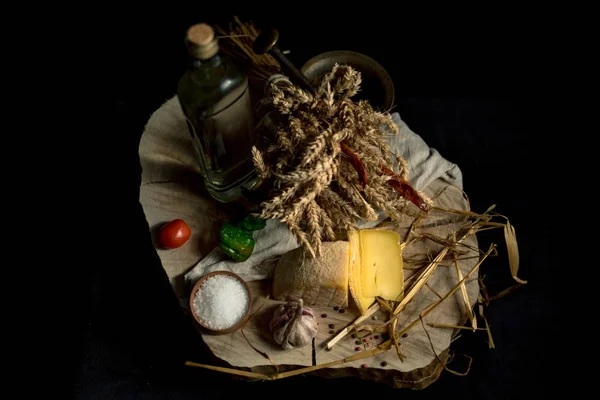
(405, 189)
(356, 163)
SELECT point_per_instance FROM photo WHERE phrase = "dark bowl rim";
(386, 78)
(233, 328)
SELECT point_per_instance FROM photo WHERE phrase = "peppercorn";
(405, 335)
(342, 310)
(383, 363)
(364, 366)
(357, 348)
(324, 315)
(331, 331)
(376, 337)
(365, 340)
(331, 326)
(336, 308)
(357, 342)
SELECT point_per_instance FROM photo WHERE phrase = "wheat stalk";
(317, 188)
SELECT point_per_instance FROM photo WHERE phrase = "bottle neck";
(212, 61)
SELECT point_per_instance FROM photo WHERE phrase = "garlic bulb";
(293, 325)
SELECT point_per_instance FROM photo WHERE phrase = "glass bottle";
(215, 100)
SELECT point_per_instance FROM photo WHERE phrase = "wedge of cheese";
(320, 282)
(375, 266)
(369, 264)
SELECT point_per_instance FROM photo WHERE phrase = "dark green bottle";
(215, 100)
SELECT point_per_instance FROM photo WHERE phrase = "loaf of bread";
(321, 281)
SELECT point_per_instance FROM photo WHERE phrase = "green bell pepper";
(236, 240)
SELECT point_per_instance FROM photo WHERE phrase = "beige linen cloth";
(172, 188)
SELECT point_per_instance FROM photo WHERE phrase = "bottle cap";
(201, 41)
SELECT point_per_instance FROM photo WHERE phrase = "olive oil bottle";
(215, 100)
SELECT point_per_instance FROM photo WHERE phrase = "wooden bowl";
(233, 328)
(377, 86)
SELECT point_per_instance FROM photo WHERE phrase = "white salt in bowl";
(221, 302)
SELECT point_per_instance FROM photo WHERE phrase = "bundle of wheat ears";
(329, 160)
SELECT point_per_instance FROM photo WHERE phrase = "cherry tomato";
(174, 234)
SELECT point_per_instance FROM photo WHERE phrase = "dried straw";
(313, 147)
(474, 223)
(435, 325)
(236, 41)
(487, 328)
(465, 296)
(513, 251)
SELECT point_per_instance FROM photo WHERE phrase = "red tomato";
(174, 234)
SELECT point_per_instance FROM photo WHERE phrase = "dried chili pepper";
(405, 189)
(356, 163)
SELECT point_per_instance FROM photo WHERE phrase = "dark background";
(471, 87)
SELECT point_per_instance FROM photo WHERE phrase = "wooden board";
(420, 366)
(172, 188)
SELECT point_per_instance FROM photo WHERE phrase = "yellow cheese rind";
(355, 274)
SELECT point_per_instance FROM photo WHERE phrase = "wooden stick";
(434, 325)
(370, 311)
(232, 371)
(450, 293)
(383, 347)
(422, 279)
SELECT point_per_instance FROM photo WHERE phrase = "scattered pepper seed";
(405, 335)
(342, 310)
(357, 342)
(357, 348)
(374, 318)
(331, 331)
(364, 366)
(376, 337)
(383, 363)
(365, 340)
(331, 326)
(324, 315)
(371, 337)
(336, 308)
(353, 336)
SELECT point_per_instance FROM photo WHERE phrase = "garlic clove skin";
(293, 325)
(300, 335)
